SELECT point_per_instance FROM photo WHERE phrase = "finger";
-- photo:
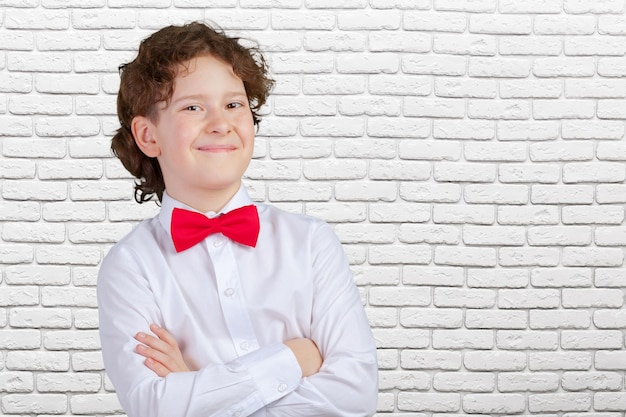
(163, 335)
(157, 367)
(160, 357)
(153, 342)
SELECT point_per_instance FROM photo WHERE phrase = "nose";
(218, 123)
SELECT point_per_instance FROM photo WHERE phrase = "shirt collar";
(168, 204)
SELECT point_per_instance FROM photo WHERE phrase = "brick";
(156, 19)
(428, 107)
(536, 214)
(582, 7)
(384, 296)
(487, 319)
(15, 253)
(610, 277)
(430, 65)
(376, 275)
(464, 129)
(433, 234)
(302, 64)
(436, 276)
(429, 150)
(501, 278)
(366, 233)
(430, 359)
(468, 298)
(561, 277)
(499, 67)
(591, 339)
(464, 381)
(610, 109)
(431, 318)
(368, 63)
(469, 45)
(564, 67)
(527, 381)
(609, 319)
(34, 190)
(609, 193)
(500, 24)
(37, 104)
(369, 20)
(71, 339)
(563, 109)
(559, 402)
(87, 361)
(38, 19)
(100, 190)
(15, 82)
(610, 236)
(319, 41)
(494, 403)
(465, 87)
(440, 193)
(92, 61)
(484, 6)
(38, 361)
(609, 401)
(530, 7)
(76, 41)
(564, 25)
(528, 256)
(61, 4)
(69, 169)
(33, 232)
(412, 339)
(119, 211)
(333, 84)
(85, 276)
(397, 127)
(553, 361)
(67, 83)
(434, 21)
(559, 319)
(594, 46)
(495, 361)
(460, 214)
(404, 380)
(399, 170)
(299, 192)
(399, 41)
(19, 211)
(575, 151)
(366, 190)
(529, 173)
(399, 4)
(435, 402)
(459, 172)
(528, 130)
(612, 67)
(596, 298)
(382, 317)
(528, 298)
(95, 404)
(401, 254)
(371, 106)
(16, 381)
(332, 126)
(337, 212)
(593, 214)
(138, 3)
(54, 382)
(559, 236)
(593, 129)
(496, 194)
(17, 169)
(398, 212)
(20, 339)
(308, 20)
(494, 235)
(67, 126)
(15, 126)
(44, 62)
(35, 403)
(573, 256)
(341, 4)
(35, 318)
(68, 297)
(101, 233)
(17, 40)
(561, 194)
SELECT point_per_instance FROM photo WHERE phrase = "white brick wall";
(470, 154)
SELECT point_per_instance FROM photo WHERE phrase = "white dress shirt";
(230, 307)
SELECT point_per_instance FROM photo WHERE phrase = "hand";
(162, 353)
(308, 355)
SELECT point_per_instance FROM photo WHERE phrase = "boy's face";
(204, 138)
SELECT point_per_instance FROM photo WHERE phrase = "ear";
(143, 128)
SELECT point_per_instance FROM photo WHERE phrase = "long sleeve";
(237, 388)
(347, 384)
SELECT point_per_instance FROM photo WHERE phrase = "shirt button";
(229, 292)
(282, 387)
(218, 243)
(237, 414)
(245, 346)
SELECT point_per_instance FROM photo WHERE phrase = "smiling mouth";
(217, 148)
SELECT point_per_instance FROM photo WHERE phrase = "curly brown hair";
(149, 79)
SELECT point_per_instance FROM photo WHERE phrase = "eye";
(234, 105)
(192, 107)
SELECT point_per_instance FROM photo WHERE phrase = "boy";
(218, 306)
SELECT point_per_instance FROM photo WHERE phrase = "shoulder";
(275, 217)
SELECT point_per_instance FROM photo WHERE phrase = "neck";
(208, 200)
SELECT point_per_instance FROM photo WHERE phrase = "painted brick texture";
(470, 155)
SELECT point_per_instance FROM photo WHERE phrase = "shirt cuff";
(274, 369)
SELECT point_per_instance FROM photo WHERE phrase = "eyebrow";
(201, 96)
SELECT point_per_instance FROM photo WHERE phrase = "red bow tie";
(190, 228)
